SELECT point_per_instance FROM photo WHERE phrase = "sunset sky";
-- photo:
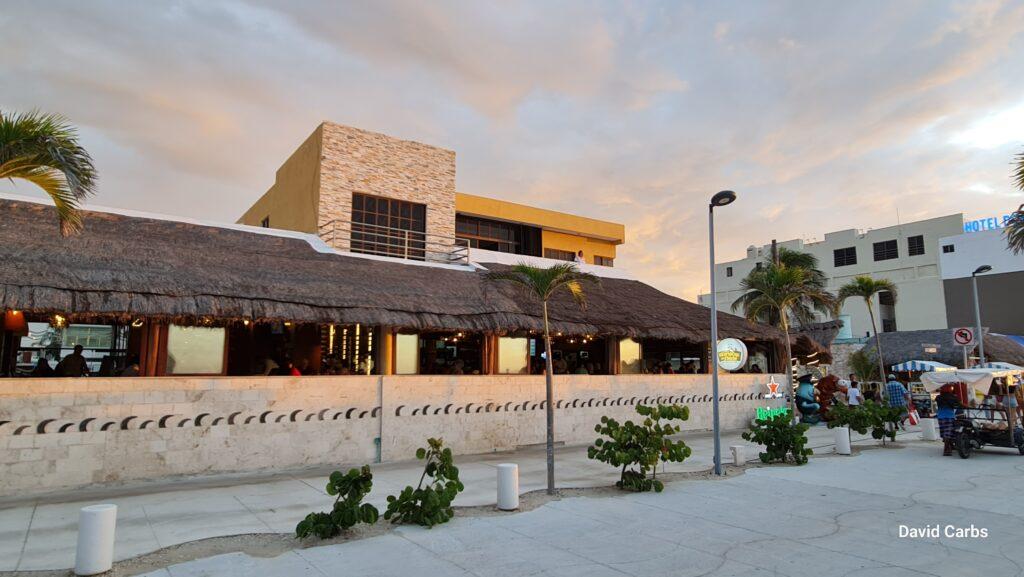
(821, 115)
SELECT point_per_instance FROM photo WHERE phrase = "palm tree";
(777, 289)
(542, 284)
(803, 312)
(866, 288)
(43, 149)
(1014, 231)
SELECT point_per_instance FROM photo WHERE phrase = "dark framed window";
(948, 248)
(497, 235)
(915, 245)
(728, 271)
(885, 298)
(888, 325)
(604, 260)
(559, 254)
(845, 256)
(389, 227)
(886, 250)
(265, 223)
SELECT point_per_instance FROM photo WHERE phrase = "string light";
(138, 323)
(59, 321)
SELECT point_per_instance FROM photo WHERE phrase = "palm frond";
(541, 283)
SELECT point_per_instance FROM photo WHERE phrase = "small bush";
(881, 420)
(781, 438)
(431, 504)
(638, 448)
(348, 510)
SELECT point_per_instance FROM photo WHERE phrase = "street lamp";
(977, 311)
(721, 199)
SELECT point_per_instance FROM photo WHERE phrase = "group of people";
(75, 364)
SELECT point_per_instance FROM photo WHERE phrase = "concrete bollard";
(95, 553)
(508, 486)
(739, 457)
(929, 430)
(842, 440)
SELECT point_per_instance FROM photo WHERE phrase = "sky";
(821, 115)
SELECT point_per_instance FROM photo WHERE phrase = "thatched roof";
(814, 340)
(123, 266)
(902, 346)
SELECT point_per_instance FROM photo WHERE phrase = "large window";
(389, 227)
(497, 235)
(630, 357)
(195, 350)
(513, 355)
(604, 260)
(915, 245)
(407, 354)
(845, 256)
(886, 250)
(559, 254)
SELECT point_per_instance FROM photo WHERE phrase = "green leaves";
(428, 505)
(641, 446)
(881, 420)
(781, 438)
(348, 511)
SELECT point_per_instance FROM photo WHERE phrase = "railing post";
(407, 245)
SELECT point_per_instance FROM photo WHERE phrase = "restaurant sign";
(732, 354)
(773, 393)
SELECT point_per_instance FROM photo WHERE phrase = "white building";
(1000, 291)
(907, 254)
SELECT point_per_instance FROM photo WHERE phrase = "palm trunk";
(549, 386)
(789, 367)
(878, 341)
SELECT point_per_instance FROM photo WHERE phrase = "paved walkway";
(42, 535)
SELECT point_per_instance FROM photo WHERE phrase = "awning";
(1004, 366)
(979, 379)
(922, 367)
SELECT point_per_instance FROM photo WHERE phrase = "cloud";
(822, 116)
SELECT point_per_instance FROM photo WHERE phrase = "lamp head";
(723, 198)
(982, 269)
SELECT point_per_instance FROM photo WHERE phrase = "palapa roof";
(125, 266)
(901, 346)
(814, 339)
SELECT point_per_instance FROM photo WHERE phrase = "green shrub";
(882, 420)
(781, 438)
(638, 448)
(349, 510)
(428, 505)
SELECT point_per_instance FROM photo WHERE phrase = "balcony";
(393, 242)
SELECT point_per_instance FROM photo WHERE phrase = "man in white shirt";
(853, 395)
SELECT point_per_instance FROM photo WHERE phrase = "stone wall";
(354, 160)
(63, 433)
(840, 358)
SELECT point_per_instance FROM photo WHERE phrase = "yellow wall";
(294, 199)
(561, 231)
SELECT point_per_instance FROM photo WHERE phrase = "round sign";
(732, 354)
(963, 336)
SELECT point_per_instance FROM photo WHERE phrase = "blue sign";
(990, 223)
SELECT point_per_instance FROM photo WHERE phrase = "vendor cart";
(976, 427)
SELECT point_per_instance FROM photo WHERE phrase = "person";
(755, 369)
(897, 396)
(854, 397)
(133, 369)
(270, 366)
(108, 367)
(948, 403)
(581, 370)
(292, 370)
(73, 365)
(42, 369)
(579, 258)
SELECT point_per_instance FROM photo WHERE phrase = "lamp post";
(977, 311)
(721, 199)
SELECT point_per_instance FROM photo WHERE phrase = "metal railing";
(393, 242)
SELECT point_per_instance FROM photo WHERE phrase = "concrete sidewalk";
(42, 534)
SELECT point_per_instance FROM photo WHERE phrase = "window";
(888, 325)
(886, 250)
(948, 248)
(512, 355)
(915, 245)
(497, 235)
(728, 271)
(559, 254)
(845, 256)
(407, 354)
(630, 357)
(388, 227)
(885, 298)
(195, 350)
(604, 261)
(265, 223)
(758, 266)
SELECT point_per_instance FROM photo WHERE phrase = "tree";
(803, 312)
(43, 149)
(1014, 231)
(779, 289)
(866, 288)
(541, 284)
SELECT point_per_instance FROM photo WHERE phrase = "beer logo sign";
(732, 354)
(773, 389)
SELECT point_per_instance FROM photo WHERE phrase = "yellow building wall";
(293, 201)
(561, 230)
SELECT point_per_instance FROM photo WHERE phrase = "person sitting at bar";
(73, 365)
(755, 368)
(42, 369)
(581, 370)
(132, 370)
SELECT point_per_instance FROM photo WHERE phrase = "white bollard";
(738, 456)
(842, 440)
(95, 553)
(508, 486)
(929, 430)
